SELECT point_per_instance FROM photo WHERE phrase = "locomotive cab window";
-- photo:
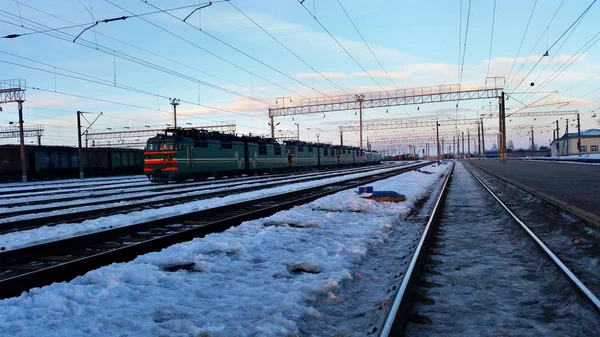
(166, 146)
(310, 149)
(226, 145)
(300, 149)
(201, 143)
(277, 149)
(262, 149)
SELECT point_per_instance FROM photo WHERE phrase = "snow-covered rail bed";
(73, 184)
(487, 275)
(211, 221)
(574, 241)
(122, 186)
(153, 193)
(51, 215)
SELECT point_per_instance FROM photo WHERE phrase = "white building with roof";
(567, 144)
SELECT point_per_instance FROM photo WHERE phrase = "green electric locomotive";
(182, 154)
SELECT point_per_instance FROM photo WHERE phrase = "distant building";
(567, 144)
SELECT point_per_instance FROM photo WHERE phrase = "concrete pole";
(341, 138)
(469, 144)
(80, 157)
(482, 140)
(567, 135)
(22, 139)
(463, 145)
(578, 136)
(361, 122)
(272, 124)
(437, 136)
(479, 140)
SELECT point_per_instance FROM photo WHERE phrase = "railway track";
(139, 203)
(451, 278)
(148, 189)
(34, 266)
(26, 189)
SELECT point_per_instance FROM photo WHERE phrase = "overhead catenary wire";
(539, 39)
(491, 40)
(144, 50)
(576, 22)
(100, 81)
(142, 62)
(341, 46)
(12, 36)
(522, 40)
(232, 47)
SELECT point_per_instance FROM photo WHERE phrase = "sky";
(231, 61)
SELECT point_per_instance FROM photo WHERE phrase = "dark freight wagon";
(53, 162)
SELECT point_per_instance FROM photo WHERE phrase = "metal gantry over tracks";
(422, 95)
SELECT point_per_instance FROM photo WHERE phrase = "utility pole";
(298, 130)
(360, 98)
(502, 127)
(80, 157)
(469, 143)
(567, 135)
(79, 135)
(174, 103)
(479, 139)
(341, 138)
(272, 125)
(437, 136)
(532, 142)
(22, 138)
(578, 136)
(482, 140)
(463, 145)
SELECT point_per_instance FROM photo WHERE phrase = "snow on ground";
(61, 185)
(246, 281)
(51, 233)
(85, 187)
(180, 190)
(61, 182)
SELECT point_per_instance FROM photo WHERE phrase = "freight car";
(181, 154)
(54, 162)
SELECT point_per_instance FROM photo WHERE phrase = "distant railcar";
(55, 162)
(182, 154)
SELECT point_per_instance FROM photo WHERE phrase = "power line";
(288, 49)
(555, 42)
(522, 40)
(232, 47)
(12, 36)
(129, 105)
(366, 44)
(465, 46)
(100, 81)
(143, 62)
(538, 41)
(339, 44)
(143, 49)
(491, 40)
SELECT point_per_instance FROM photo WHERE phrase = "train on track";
(182, 154)
(55, 162)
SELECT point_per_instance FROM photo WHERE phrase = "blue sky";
(417, 43)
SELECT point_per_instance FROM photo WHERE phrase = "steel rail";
(395, 322)
(223, 218)
(144, 202)
(587, 294)
(153, 191)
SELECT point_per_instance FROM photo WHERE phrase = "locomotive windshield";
(156, 146)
